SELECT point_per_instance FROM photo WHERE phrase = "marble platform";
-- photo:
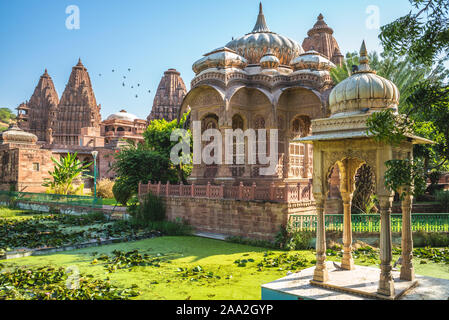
(358, 284)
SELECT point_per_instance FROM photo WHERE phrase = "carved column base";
(347, 262)
(321, 274)
(386, 282)
(407, 273)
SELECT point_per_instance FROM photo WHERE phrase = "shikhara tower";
(77, 109)
(169, 96)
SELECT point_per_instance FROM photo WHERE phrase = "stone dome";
(269, 60)
(364, 90)
(312, 60)
(220, 58)
(254, 45)
(16, 135)
(122, 115)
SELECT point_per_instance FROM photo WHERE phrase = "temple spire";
(364, 59)
(261, 24)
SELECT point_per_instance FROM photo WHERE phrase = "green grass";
(218, 257)
(14, 214)
(110, 202)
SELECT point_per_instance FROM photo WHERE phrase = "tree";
(150, 161)
(6, 114)
(65, 172)
(428, 107)
(423, 35)
(139, 164)
(158, 135)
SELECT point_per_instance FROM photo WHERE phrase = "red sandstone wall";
(30, 180)
(251, 219)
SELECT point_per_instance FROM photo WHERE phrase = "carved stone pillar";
(347, 262)
(306, 161)
(386, 283)
(407, 269)
(321, 273)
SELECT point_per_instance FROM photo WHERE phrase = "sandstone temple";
(49, 126)
(262, 80)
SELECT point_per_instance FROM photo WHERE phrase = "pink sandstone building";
(262, 80)
(52, 127)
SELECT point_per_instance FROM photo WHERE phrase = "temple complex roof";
(122, 115)
(255, 44)
(16, 135)
(169, 96)
(77, 109)
(44, 99)
(320, 38)
(363, 90)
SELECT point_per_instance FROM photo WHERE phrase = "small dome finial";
(261, 24)
(320, 17)
(364, 59)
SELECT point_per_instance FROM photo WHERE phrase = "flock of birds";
(124, 83)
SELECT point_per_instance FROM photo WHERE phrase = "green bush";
(151, 209)
(430, 239)
(168, 228)
(122, 192)
(104, 189)
(293, 240)
(443, 199)
(299, 240)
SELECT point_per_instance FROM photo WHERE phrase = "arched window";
(210, 121)
(237, 122)
(300, 127)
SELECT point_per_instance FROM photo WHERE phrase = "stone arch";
(300, 126)
(201, 96)
(300, 100)
(251, 101)
(209, 121)
(347, 167)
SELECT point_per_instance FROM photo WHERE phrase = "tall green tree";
(422, 34)
(6, 115)
(151, 160)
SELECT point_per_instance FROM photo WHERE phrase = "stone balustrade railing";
(286, 193)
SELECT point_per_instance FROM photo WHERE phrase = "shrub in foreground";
(150, 209)
(104, 189)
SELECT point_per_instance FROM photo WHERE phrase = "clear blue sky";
(151, 36)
